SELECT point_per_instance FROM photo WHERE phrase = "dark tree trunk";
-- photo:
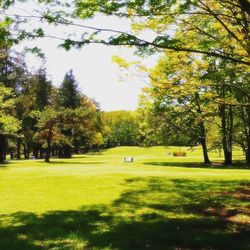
(227, 133)
(60, 152)
(204, 144)
(41, 155)
(35, 152)
(48, 151)
(11, 154)
(53, 151)
(18, 155)
(248, 154)
(3, 147)
(67, 151)
(205, 153)
(248, 136)
(26, 151)
(202, 133)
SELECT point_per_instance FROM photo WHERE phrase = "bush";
(179, 154)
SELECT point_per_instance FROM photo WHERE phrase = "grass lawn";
(96, 201)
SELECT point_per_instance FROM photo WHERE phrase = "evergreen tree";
(68, 97)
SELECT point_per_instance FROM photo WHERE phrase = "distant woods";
(40, 121)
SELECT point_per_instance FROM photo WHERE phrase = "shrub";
(179, 154)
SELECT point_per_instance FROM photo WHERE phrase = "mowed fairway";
(97, 201)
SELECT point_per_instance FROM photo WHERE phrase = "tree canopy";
(214, 28)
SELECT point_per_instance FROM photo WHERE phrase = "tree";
(9, 125)
(121, 128)
(177, 93)
(14, 74)
(68, 94)
(50, 124)
(229, 91)
(68, 97)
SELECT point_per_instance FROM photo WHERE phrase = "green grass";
(96, 201)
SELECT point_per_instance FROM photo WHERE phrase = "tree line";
(38, 119)
(198, 92)
(195, 102)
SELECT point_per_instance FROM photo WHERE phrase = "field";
(96, 201)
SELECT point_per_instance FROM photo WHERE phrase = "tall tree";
(68, 97)
(178, 94)
(13, 74)
(9, 125)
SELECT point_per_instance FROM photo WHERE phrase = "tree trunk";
(205, 153)
(248, 154)
(60, 152)
(202, 133)
(3, 147)
(11, 154)
(248, 136)
(35, 152)
(48, 151)
(26, 151)
(18, 155)
(41, 156)
(227, 133)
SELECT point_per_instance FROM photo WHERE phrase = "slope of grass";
(96, 201)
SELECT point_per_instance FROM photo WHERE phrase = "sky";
(97, 75)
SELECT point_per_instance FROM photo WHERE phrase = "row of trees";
(200, 87)
(195, 102)
(39, 119)
(199, 100)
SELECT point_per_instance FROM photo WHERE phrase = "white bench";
(128, 159)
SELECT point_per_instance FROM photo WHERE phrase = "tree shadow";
(214, 165)
(5, 164)
(152, 213)
(100, 152)
(61, 162)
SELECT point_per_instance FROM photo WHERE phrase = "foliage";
(120, 128)
(9, 125)
(217, 29)
(68, 95)
(51, 122)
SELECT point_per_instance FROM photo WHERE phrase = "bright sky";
(97, 75)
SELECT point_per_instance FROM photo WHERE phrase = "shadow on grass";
(96, 152)
(214, 165)
(71, 162)
(5, 164)
(153, 213)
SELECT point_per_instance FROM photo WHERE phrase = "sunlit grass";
(97, 201)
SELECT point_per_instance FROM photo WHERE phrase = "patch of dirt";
(239, 219)
(242, 193)
(238, 216)
(221, 212)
